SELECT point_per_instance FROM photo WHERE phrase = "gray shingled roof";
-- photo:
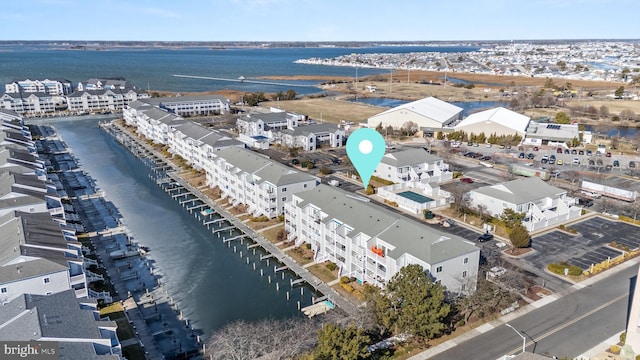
(313, 129)
(262, 167)
(406, 235)
(266, 117)
(408, 157)
(29, 269)
(31, 317)
(207, 136)
(521, 191)
(176, 99)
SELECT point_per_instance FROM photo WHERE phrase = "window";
(284, 198)
(439, 269)
(464, 274)
(3, 290)
(466, 260)
(464, 287)
(46, 280)
(284, 189)
(305, 185)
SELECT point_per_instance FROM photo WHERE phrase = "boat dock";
(224, 224)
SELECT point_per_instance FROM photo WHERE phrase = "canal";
(210, 283)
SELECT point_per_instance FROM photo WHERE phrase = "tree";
(511, 218)
(627, 114)
(413, 304)
(619, 92)
(267, 339)
(562, 65)
(486, 301)
(379, 129)
(562, 118)
(604, 111)
(336, 343)
(519, 236)
(409, 128)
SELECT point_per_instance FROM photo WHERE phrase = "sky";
(319, 20)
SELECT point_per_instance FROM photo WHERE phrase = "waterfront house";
(21, 161)
(248, 178)
(372, 244)
(412, 165)
(312, 137)
(74, 324)
(135, 109)
(102, 100)
(31, 104)
(38, 257)
(196, 144)
(155, 124)
(430, 114)
(543, 205)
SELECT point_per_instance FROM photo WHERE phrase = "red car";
(467, 180)
(535, 148)
(608, 154)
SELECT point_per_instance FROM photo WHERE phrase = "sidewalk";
(592, 354)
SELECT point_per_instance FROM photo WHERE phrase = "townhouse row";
(44, 276)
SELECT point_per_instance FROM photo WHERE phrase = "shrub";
(370, 190)
(558, 268)
(456, 174)
(615, 349)
(325, 170)
(307, 246)
(623, 337)
(344, 280)
(281, 236)
(260, 218)
(331, 266)
(347, 287)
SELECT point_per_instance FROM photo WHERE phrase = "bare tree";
(460, 199)
(265, 339)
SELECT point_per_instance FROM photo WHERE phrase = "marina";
(260, 254)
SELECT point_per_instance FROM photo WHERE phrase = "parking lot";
(586, 248)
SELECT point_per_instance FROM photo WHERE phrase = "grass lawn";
(302, 256)
(328, 109)
(324, 274)
(272, 234)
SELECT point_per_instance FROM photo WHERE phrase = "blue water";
(211, 284)
(151, 68)
(621, 131)
(468, 107)
(415, 197)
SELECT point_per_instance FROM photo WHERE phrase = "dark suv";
(485, 237)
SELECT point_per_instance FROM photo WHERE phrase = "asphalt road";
(569, 326)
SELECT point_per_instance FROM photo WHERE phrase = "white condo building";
(248, 178)
(412, 165)
(197, 144)
(372, 244)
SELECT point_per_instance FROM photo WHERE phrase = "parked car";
(535, 148)
(559, 162)
(592, 162)
(574, 152)
(608, 167)
(531, 156)
(589, 153)
(521, 156)
(486, 158)
(295, 162)
(632, 164)
(576, 161)
(544, 159)
(467, 180)
(581, 152)
(608, 154)
(566, 151)
(485, 237)
(488, 145)
(616, 163)
(559, 150)
(585, 202)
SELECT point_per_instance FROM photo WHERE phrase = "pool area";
(415, 197)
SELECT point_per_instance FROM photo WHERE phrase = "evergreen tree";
(519, 236)
(336, 343)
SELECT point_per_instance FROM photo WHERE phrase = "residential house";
(155, 124)
(72, 323)
(248, 178)
(372, 244)
(543, 205)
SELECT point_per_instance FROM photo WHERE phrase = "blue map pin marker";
(365, 148)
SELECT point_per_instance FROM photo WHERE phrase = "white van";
(576, 161)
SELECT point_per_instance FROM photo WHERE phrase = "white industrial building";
(498, 121)
(430, 114)
(372, 244)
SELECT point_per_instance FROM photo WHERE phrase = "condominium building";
(412, 165)
(103, 100)
(196, 144)
(312, 137)
(372, 244)
(248, 178)
(192, 105)
(47, 86)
